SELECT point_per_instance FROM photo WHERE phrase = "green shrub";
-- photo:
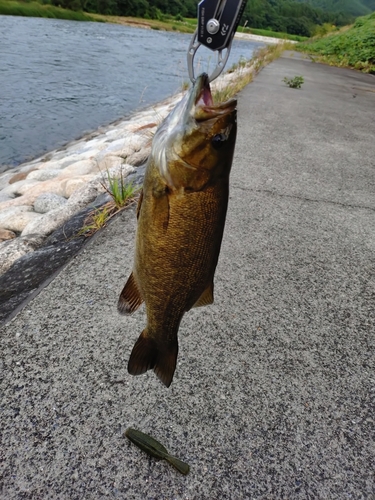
(354, 47)
(295, 82)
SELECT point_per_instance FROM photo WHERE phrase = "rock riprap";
(39, 196)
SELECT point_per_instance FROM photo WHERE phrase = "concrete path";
(274, 393)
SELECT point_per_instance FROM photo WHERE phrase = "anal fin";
(207, 297)
(130, 297)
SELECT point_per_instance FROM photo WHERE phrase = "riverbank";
(37, 9)
(39, 197)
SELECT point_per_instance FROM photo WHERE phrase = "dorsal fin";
(130, 297)
(207, 297)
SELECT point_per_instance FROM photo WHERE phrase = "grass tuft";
(123, 194)
(120, 191)
(295, 82)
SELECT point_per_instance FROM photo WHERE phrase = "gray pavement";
(274, 393)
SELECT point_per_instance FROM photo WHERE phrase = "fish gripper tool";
(217, 23)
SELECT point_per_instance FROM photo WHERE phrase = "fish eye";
(218, 140)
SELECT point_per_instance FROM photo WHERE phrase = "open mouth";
(204, 104)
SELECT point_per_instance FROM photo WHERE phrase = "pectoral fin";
(130, 297)
(207, 297)
(140, 199)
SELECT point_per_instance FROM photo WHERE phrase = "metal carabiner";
(217, 23)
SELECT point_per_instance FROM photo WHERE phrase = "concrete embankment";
(273, 396)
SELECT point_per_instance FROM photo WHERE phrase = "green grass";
(295, 82)
(274, 34)
(120, 191)
(36, 9)
(122, 194)
(97, 219)
(352, 47)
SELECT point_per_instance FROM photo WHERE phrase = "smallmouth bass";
(155, 449)
(181, 217)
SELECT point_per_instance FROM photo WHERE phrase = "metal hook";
(217, 23)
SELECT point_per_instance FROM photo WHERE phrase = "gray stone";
(6, 235)
(17, 187)
(10, 213)
(19, 223)
(122, 153)
(78, 168)
(109, 161)
(86, 194)
(50, 221)
(55, 185)
(47, 202)
(4, 179)
(27, 167)
(139, 157)
(43, 175)
(76, 184)
(73, 157)
(12, 250)
(55, 164)
(5, 197)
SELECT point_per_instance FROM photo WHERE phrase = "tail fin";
(179, 464)
(149, 354)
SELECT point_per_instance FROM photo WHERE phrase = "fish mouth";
(204, 107)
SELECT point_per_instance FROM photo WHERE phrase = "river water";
(62, 79)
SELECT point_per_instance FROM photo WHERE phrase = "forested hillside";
(297, 17)
(353, 47)
(352, 7)
(153, 9)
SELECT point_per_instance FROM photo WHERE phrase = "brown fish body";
(181, 218)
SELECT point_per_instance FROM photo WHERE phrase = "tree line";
(296, 18)
(288, 16)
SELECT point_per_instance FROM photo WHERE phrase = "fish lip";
(204, 107)
(203, 96)
(208, 112)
